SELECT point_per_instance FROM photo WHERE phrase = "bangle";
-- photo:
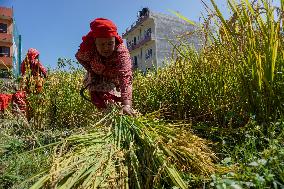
(127, 105)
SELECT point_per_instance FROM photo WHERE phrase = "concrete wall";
(6, 12)
(140, 51)
(145, 56)
(6, 17)
(149, 55)
(9, 31)
(133, 54)
(168, 28)
(164, 28)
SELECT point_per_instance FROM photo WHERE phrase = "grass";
(258, 156)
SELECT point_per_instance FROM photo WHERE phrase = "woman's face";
(105, 46)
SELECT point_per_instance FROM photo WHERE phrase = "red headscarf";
(33, 64)
(32, 54)
(100, 27)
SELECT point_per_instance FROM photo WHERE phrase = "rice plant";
(237, 73)
(232, 87)
(60, 104)
(124, 152)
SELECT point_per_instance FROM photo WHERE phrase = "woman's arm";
(84, 59)
(125, 77)
(23, 66)
(124, 70)
(42, 69)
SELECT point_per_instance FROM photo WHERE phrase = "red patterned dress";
(108, 78)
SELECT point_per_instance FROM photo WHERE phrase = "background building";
(10, 44)
(149, 38)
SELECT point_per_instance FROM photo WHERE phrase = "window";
(134, 40)
(3, 28)
(129, 44)
(4, 51)
(132, 60)
(147, 33)
(135, 61)
(148, 54)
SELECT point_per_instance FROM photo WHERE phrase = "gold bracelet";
(127, 105)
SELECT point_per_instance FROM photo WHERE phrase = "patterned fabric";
(20, 101)
(33, 72)
(5, 100)
(101, 99)
(32, 64)
(106, 77)
(110, 75)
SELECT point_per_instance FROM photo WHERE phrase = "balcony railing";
(147, 38)
(5, 37)
(135, 24)
(6, 62)
(6, 13)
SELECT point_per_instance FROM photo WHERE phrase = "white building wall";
(135, 58)
(139, 33)
(149, 58)
(159, 29)
(143, 56)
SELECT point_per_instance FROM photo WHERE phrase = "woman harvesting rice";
(32, 71)
(108, 64)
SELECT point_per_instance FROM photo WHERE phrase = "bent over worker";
(32, 72)
(108, 64)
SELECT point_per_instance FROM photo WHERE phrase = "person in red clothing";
(5, 100)
(32, 71)
(108, 64)
(18, 100)
(20, 105)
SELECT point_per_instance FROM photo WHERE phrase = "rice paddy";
(212, 118)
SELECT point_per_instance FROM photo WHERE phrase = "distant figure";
(32, 72)
(19, 100)
(5, 100)
(19, 103)
(108, 64)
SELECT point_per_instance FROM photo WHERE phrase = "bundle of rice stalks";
(125, 152)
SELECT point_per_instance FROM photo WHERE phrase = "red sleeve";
(42, 69)
(23, 67)
(84, 59)
(125, 72)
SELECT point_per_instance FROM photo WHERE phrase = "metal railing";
(147, 38)
(136, 23)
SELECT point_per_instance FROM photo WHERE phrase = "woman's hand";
(127, 110)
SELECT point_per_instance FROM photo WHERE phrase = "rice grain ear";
(182, 17)
(99, 158)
